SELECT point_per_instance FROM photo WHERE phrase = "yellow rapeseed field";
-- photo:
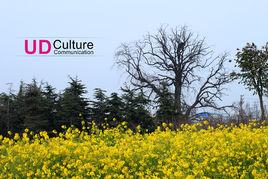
(194, 151)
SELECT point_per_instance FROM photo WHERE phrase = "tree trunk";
(261, 106)
(177, 103)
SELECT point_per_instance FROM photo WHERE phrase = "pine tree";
(35, 114)
(3, 113)
(128, 98)
(73, 106)
(99, 106)
(165, 109)
(136, 109)
(9, 118)
(115, 107)
(143, 115)
(19, 108)
(50, 102)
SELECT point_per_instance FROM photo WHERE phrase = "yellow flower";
(190, 177)
(206, 122)
(16, 136)
(119, 152)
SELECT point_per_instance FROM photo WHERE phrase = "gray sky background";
(227, 25)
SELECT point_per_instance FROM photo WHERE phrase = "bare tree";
(241, 115)
(181, 59)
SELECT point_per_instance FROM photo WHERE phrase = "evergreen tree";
(136, 109)
(115, 107)
(73, 106)
(9, 119)
(128, 98)
(3, 113)
(35, 114)
(19, 108)
(143, 115)
(99, 106)
(165, 105)
(50, 102)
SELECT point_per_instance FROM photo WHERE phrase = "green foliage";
(99, 106)
(39, 107)
(34, 108)
(50, 105)
(253, 65)
(136, 109)
(3, 111)
(19, 112)
(166, 108)
(115, 107)
(72, 105)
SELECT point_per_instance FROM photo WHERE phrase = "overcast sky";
(226, 24)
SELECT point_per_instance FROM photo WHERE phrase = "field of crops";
(197, 151)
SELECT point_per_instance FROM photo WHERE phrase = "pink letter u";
(26, 46)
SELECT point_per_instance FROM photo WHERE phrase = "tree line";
(37, 106)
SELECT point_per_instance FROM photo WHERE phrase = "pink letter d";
(41, 42)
